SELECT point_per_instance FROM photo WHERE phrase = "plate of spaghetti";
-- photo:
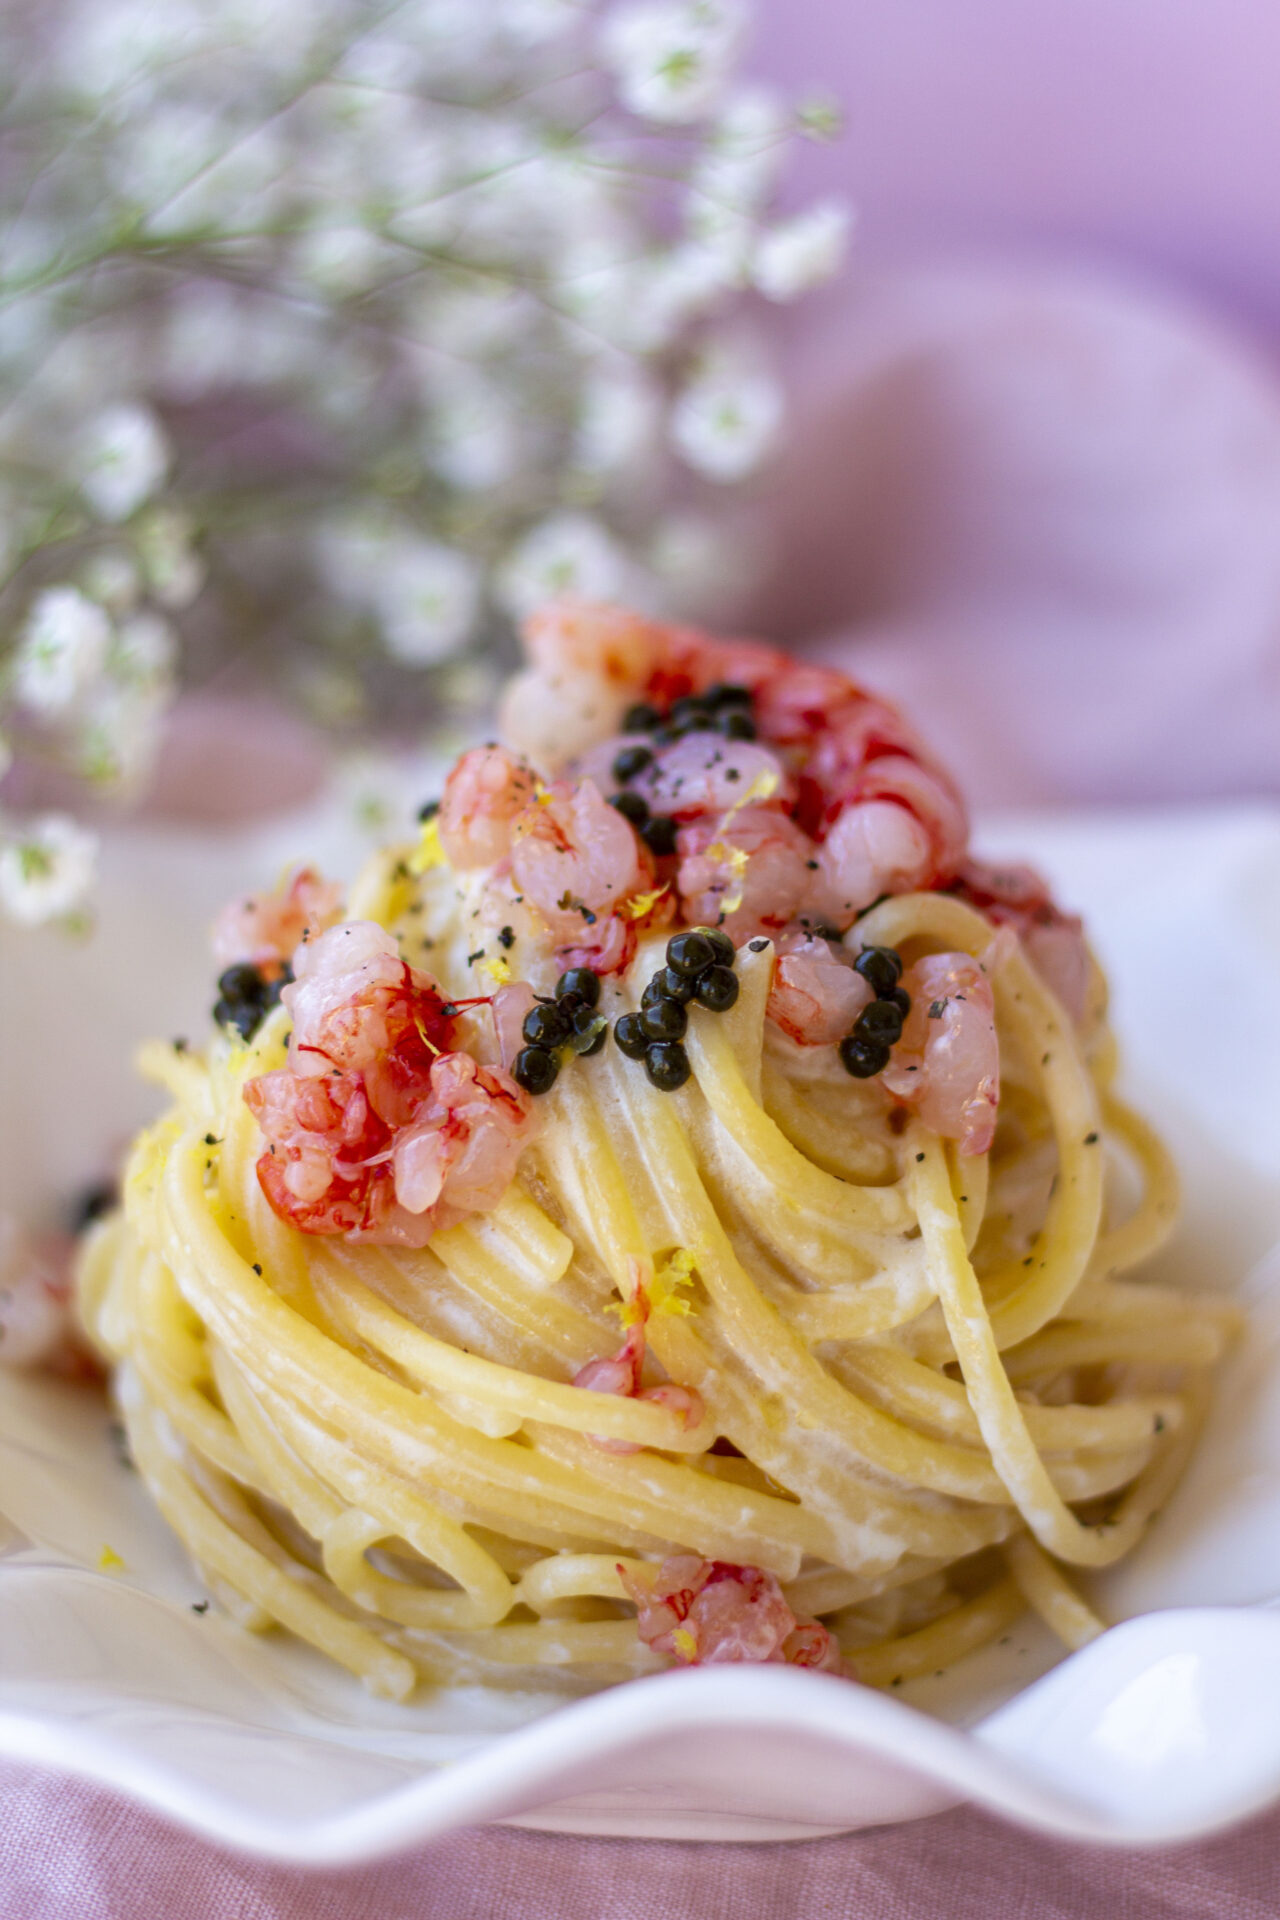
(663, 1243)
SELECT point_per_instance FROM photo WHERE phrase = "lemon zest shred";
(429, 851)
(675, 1273)
(109, 1561)
(497, 969)
(642, 903)
(685, 1644)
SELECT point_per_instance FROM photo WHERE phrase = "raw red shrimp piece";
(459, 1156)
(816, 996)
(761, 896)
(575, 858)
(36, 1325)
(510, 1004)
(354, 1002)
(704, 773)
(620, 1373)
(709, 1613)
(947, 1064)
(482, 797)
(1054, 941)
(264, 928)
(875, 847)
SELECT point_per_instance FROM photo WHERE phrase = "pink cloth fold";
(71, 1852)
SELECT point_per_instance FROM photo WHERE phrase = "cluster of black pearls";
(568, 1023)
(864, 1052)
(724, 709)
(699, 968)
(246, 996)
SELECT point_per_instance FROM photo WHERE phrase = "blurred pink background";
(1036, 488)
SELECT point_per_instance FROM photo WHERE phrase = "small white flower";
(112, 579)
(427, 597)
(46, 868)
(743, 156)
(725, 421)
(616, 420)
(120, 733)
(692, 557)
(123, 458)
(339, 260)
(799, 253)
(567, 553)
(672, 58)
(62, 650)
(144, 651)
(474, 438)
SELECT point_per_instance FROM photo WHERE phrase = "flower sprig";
(335, 338)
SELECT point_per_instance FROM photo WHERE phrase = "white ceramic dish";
(1168, 1726)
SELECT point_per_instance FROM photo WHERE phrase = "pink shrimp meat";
(710, 1612)
(947, 1065)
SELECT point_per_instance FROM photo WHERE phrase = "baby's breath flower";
(568, 553)
(726, 420)
(46, 868)
(673, 58)
(144, 651)
(427, 598)
(62, 650)
(174, 570)
(801, 252)
(122, 460)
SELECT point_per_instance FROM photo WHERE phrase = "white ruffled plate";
(1166, 1727)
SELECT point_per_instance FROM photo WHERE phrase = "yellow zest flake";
(628, 1313)
(735, 858)
(685, 1644)
(497, 969)
(109, 1561)
(428, 853)
(642, 903)
(675, 1273)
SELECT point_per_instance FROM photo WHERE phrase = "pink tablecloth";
(68, 1852)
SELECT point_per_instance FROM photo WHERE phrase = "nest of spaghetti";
(674, 1209)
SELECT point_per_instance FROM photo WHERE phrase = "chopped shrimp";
(1054, 941)
(378, 1128)
(483, 794)
(710, 1612)
(853, 778)
(264, 928)
(620, 1373)
(750, 874)
(35, 1301)
(575, 858)
(947, 1064)
(509, 1006)
(816, 996)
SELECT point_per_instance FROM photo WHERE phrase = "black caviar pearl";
(630, 1036)
(717, 989)
(679, 728)
(667, 1065)
(535, 1069)
(880, 967)
(583, 982)
(725, 951)
(899, 998)
(633, 807)
(630, 762)
(691, 952)
(244, 1017)
(241, 982)
(546, 1025)
(641, 718)
(92, 1204)
(862, 1058)
(690, 706)
(726, 694)
(735, 725)
(428, 811)
(659, 834)
(587, 1030)
(667, 984)
(881, 1023)
(664, 1020)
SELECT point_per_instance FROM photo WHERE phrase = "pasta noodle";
(902, 1382)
